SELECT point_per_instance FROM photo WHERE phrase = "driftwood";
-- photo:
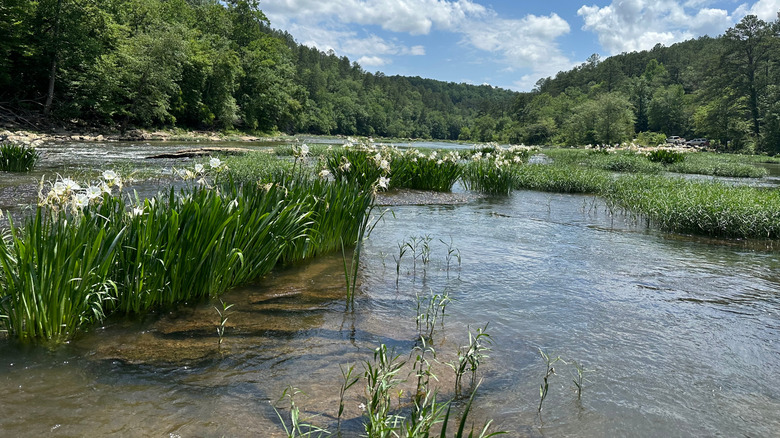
(200, 152)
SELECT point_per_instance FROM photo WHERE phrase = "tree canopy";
(220, 65)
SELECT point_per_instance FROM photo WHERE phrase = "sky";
(505, 43)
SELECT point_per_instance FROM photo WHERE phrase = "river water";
(679, 336)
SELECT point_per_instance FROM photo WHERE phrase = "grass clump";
(699, 207)
(706, 163)
(86, 252)
(416, 170)
(360, 163)
(17, 157)
(560, 178)
(665, 156)
(624, 162)
(492, 168)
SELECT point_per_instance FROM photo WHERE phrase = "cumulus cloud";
(527, 43)
(524, 44)
(628, 25)
(764, 9)
(372, 61)
(416, 17)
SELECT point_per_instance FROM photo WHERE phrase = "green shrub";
(666, 156)
(651, 139)
(17, 157)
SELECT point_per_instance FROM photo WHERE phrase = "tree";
(608, 119)
(746, 63)
(666, 111)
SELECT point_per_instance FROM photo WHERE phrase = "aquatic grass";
(223, 318)
(579, 378)
(348, 380)
(709, 208)
(665, 156)
(550, 371)
(381, 377)
(451, 252)
(560, 178)
(362, 164)
(198, 243)
(56, 275)
(704, 163)
(493, 177)
(17, 157)
(470, 356)
(314, 150)
(296, 426)
(257, 166)
(625, 162)
(179, 246)
(416, 170)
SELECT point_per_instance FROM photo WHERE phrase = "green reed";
(363, 163)
(560, 178)
(55, 274)
(297, 427)
(434, 171)
(666, 156)
(470, 356)
(223, 318)
(623, 161)
(81, 257)
(489, 175)
(549, 371)
(699, 207)
(17, 157)
(705, 163)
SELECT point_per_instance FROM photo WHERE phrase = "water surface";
(679, 335)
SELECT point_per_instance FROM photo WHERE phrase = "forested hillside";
(726, 89)
(220, 65)
(216, 65)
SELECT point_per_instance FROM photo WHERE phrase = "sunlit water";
(678, 335)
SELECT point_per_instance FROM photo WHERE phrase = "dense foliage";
(216, 65)
(219, 65)
(724, 89)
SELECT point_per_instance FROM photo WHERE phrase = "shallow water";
(679, 335)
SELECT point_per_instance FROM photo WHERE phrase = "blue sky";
(508, 44)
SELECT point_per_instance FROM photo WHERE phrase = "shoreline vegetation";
(88, 250)
(239, 216)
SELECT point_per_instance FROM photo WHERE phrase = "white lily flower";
(383, 182)
(59, 188)
(198, 168)
(215, 162)
(80, 200)
(110, 175)
(94, 192)
(304, 150)
(324, 173)
(70, 184)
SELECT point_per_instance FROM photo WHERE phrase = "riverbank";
(36, 138)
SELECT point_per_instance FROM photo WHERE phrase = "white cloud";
(416, 17)
(527, 44)
(764, 9)
(629, 25)
(372, 61)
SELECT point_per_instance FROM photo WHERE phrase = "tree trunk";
(55, 54)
